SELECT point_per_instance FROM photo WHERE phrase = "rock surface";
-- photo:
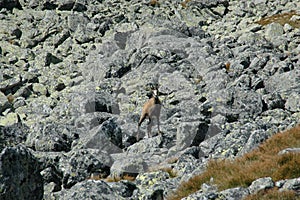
(74, 76)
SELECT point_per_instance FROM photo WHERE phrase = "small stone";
(293, 102)
(287, 28)
(273, 30)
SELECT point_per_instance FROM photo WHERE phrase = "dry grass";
(262, 162)
(282, 19)
(184, 3)
(154, 3)
(117, 179)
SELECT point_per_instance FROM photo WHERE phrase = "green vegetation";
(262, 162)
(284, 18)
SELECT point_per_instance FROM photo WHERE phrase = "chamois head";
(154, 90)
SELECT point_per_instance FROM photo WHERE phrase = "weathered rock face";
(20, 174)
(74, 76)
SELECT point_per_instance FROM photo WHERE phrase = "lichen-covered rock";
(123, 188)
(190, 134)
(89, 189)
(291, 184)
(129, 165)
(293, 102)
(81, 164)
(51, 137)
(20, 176)
(261, 184)
(152, 185)
(106, 137)
(233, 193)
(13, 134)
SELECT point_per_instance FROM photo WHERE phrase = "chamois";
(150, 109)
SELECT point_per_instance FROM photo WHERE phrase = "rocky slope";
(74, 75)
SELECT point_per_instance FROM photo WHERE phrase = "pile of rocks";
(74, 74)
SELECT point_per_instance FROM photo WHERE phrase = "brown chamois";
(150, 109)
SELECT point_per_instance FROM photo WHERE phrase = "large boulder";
(89, 189)
(20, 176)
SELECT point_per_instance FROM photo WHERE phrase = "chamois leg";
(143, 117)
(149, 127)
(158, 125)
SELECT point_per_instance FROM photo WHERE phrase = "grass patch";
(283, 18)
(262, 162)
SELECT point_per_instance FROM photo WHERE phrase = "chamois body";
(151, 109)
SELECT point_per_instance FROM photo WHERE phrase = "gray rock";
(206, 192)
(285, 83)
(273, 100)
(291, 184)
(147, 145)
(79, 165)
(261, 184)
(130, 165)
(185, 165)
(13, 134)
(20, 174)
(151, 185)
(51, 137)
(273, 30)
(293, 102)
(124, 188)
(289, 150)
(106, 137)
(233, 193)
(9, 4)
(89, 189)
(190, 134)
(78, 71)
(247, 103)
(256, 138)
(4, 103)
(10, 85)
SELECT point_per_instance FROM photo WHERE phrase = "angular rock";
(20, 174)
(13, 134)
(130, 165)
(190, 134)
(124, 188)
(289, 150)
(89, 189)
(291, 184)
(10, 4)
(51, 137)
(4, 103)
(233, 193)
(106, 137)
(247, 103)
(273, 30)
(293, 102)
(273, 101)
(79, 165)
(151, 185)
(261, 184)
